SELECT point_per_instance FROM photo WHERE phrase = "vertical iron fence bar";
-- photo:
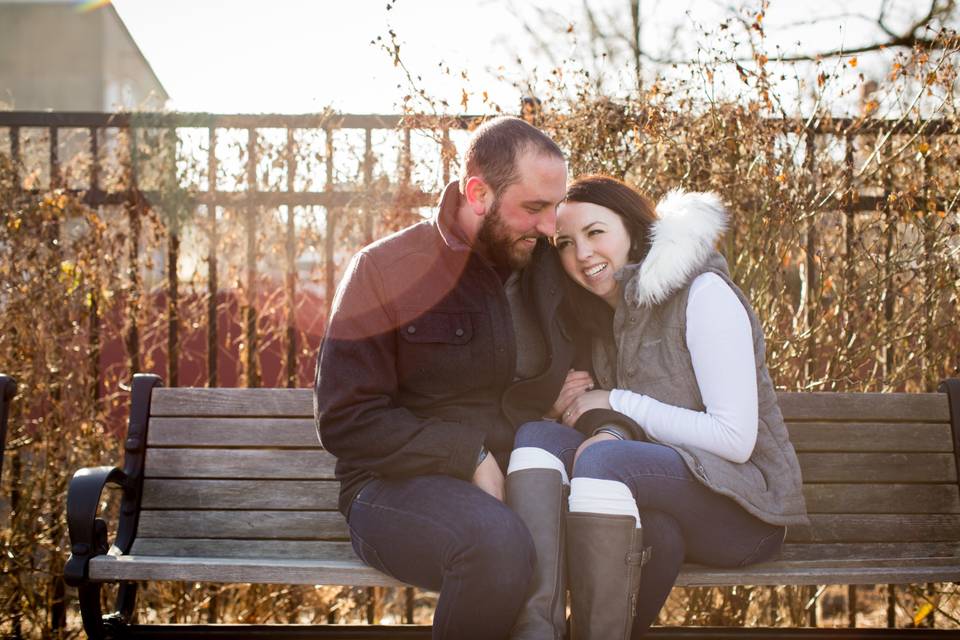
(133, 272)
(291, 279)
(212, 285)
(890, 222)
(250, 342)
(94, 320)
(173, 258)
(367, 186)
(15, 156)
(852, 606)
(928, 221)
(407, 158)
(847, 290)
(812, 241)
(445, 153)
(849, 214)
(331, 220)
(408, 601)
(55, 177)
(891, 606)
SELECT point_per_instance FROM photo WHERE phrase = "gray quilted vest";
(651, 357)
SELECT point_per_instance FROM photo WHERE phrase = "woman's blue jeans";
(681, 518)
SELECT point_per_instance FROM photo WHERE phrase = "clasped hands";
(576, 398)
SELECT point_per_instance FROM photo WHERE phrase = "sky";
(289, 56)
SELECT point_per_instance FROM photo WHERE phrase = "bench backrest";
(240, 472)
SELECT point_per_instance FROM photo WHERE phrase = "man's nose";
(547, 224)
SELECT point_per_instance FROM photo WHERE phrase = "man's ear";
(478, 195)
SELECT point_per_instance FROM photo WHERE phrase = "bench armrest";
(88, 533)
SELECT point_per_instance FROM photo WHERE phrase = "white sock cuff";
(592, 495)
(536, 458)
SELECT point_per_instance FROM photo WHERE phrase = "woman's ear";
(477, 194)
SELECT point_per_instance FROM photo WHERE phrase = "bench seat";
(863, 570)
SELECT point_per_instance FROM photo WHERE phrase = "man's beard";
(503, 249)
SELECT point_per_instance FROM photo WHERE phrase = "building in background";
(57, 55)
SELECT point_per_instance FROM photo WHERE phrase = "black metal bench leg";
(90, 611)
(105, 627)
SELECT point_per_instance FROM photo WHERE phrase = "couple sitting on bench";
(549, 387)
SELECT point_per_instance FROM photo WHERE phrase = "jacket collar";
(682, 241)
(446, 218)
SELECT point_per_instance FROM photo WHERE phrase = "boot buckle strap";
(639, 557)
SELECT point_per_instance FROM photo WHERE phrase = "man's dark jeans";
(444, 534)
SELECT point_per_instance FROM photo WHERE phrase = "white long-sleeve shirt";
(720, 342)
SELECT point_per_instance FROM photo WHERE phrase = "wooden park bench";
(232, 486)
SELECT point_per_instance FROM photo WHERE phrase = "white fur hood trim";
(681, 239)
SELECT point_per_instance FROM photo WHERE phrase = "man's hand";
(600, 437)
(489, 477)
(577, 382)
(599, 399)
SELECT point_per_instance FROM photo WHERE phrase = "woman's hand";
(599, 399)
(600, 437)
(577, 383)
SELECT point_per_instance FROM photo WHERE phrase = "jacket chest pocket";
(435, 352)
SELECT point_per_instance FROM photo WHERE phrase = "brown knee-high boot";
(604, 557)
(539, 497)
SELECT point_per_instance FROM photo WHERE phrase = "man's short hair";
(494, 148)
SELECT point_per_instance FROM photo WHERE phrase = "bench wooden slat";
(294, 464)
(239, 494)
(282, 525)
(777, 573)
(877, 528)
(332, 572)
(878, 467)
(882, 498)
(232, 548)
(302, 433)
(864, 407)
(867, 437)
(322, 494)
(867, 550)
(812, 406)
(242, 570)
(234, 432)
(196, 401)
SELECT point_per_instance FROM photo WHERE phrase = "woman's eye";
(594, 232)
(563, 244)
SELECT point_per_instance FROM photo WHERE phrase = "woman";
(681, 453)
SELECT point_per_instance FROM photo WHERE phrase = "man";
(443, 338)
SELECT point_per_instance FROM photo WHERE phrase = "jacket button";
(411, 329)
(459, 333)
